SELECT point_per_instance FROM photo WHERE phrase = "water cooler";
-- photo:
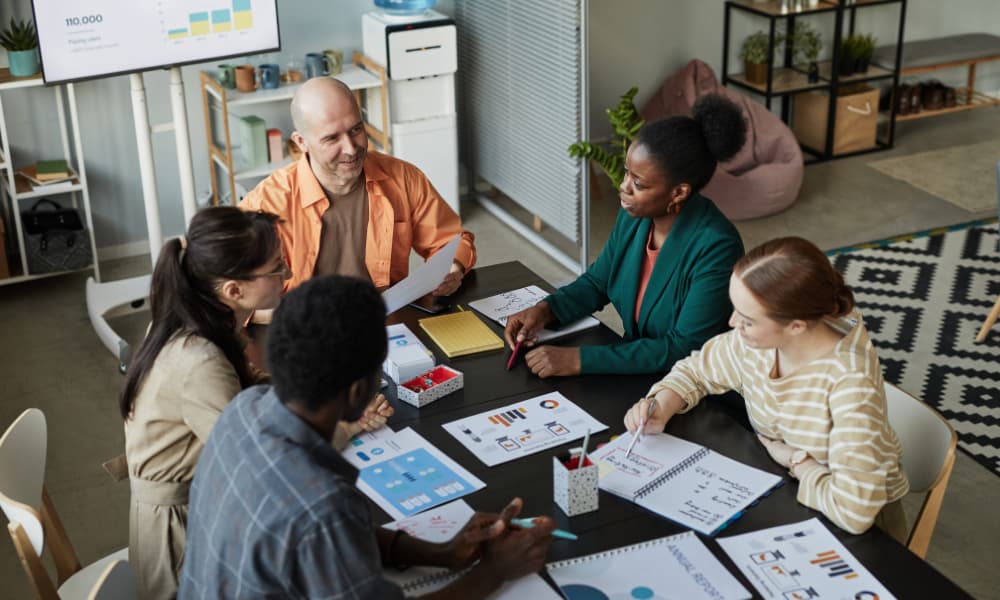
(419, 53)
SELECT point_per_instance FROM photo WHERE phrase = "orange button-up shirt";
(404, 212)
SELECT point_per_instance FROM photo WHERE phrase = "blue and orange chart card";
(508, 433)
(801, 560)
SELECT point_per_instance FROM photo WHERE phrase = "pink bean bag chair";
(765, 175)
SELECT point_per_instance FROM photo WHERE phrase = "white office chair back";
(22, 473)
(117, 582)
(924, 435)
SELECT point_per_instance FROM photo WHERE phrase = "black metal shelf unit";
(789, 79)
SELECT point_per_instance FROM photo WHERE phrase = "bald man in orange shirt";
(349, 210)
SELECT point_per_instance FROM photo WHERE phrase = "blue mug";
(316, 65)
(270, 76)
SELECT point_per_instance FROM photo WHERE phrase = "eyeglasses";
(283, 272)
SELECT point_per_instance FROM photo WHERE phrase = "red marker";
(513, 355)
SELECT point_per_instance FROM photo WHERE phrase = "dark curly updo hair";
(688, 149)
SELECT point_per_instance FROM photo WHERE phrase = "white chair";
(117, 582)
(33, 518)
(928, 442)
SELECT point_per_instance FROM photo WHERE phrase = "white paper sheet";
(678, 566)
(419, 581)
(422, 281)
(438, 525)
(501, 306)
(508, 433)
(801, 560)
(405, 475)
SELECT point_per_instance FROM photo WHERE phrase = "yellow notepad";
(461, 333)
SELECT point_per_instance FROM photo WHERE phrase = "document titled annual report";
(681, 480)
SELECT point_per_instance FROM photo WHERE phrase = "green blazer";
(686, 300)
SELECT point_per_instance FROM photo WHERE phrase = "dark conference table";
(618, 522)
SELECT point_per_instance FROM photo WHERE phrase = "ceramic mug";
(246, 78)
(227, 76)
(334, 58)
(316, 65)
(270, 76)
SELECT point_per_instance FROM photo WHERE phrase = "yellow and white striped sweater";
(834, 408)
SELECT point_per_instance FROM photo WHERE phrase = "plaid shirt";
(274, 512)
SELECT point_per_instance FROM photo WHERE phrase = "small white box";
(574, 489)
(430, 385)
(407, 357)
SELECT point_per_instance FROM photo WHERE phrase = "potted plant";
(865, 50)
(756, 54)
(806, 41)
(849, 52)
(625, 121)
(21, 44)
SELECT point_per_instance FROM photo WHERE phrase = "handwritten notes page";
(801, 560)
(503, 305)
(437, 525)
(678, 566)
(682, 481)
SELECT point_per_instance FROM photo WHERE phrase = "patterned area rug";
(924, 298)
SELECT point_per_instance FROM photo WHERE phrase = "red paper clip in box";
(428, 387)
(574, 487)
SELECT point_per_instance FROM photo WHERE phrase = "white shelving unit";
(361, 76)
(16, 189)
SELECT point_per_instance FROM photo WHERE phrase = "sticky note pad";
(461, 333)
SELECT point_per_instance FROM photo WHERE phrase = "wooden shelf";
(773, 7)
(9, 82)
(873, 72)
(963, 101)
(355, 77)
(783, 81)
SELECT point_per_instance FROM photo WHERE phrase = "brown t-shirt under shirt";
(345, 233)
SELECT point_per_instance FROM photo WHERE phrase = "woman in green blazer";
(667, 264)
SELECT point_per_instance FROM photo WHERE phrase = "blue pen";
(529, 523)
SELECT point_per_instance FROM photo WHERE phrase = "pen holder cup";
(574, 488)
(428, 387)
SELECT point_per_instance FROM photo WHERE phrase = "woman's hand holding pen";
(668, 404)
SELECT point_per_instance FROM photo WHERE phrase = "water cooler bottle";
(419, 54)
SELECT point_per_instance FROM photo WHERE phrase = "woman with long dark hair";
(665, 266)
(801, 358)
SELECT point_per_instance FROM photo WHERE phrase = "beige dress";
(176, 406)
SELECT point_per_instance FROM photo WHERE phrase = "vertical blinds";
(520, 102)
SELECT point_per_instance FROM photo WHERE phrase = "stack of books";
(47, 172)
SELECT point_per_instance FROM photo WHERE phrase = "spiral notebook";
(678, 566)
(682, 481)
(418, 581)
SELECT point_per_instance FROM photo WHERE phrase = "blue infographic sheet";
(404, 474)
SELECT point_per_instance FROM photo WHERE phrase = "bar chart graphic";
(198, 18)
(834, 565)
(508, 417)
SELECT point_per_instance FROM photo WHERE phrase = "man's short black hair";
(326, 334)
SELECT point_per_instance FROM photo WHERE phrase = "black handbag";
(54, 240)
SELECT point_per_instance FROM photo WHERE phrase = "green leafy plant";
(756, 48)
(866, 46)
(806, 41)
(625, 122)
(19, 36)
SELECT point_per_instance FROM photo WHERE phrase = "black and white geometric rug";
(924, 298)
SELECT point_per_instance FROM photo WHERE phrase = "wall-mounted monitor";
(85, 39)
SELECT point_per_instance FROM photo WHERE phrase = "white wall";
(108, 133)
(640, 42)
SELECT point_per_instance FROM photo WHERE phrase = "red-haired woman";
(801, 358)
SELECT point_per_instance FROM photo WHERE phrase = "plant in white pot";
(21, 44)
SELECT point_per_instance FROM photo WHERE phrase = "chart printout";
(508, 433)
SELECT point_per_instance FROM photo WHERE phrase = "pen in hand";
(529, 523)
(513, 355)
(651, 407)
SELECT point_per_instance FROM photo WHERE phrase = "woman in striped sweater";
(801, 358)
